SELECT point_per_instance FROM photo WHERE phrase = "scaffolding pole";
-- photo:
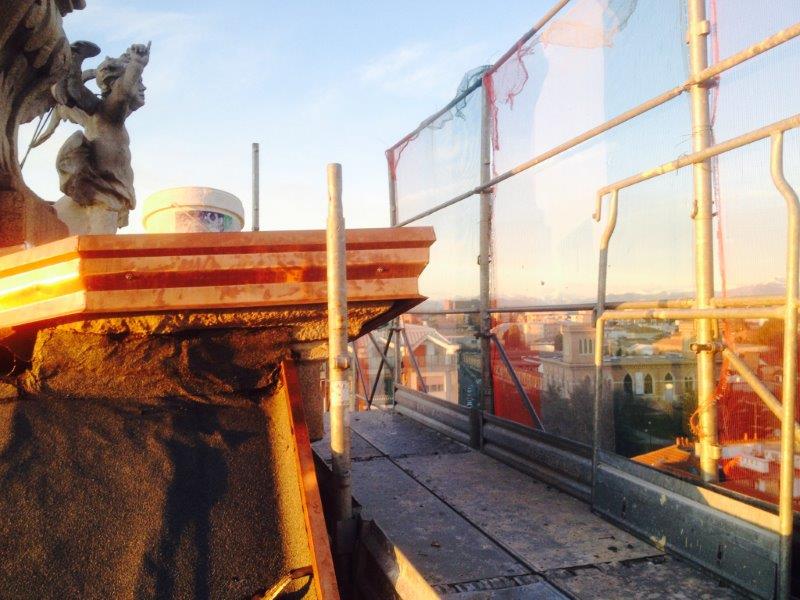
(699, 28)
(338, 357)
(485, 258)
(789, 387)
(602, 279)
(397, 322)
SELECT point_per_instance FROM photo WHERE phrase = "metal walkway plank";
(396, 435)
(667, 577)
(543, 526)
(442, 545)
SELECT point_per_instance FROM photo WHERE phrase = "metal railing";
(704, 308)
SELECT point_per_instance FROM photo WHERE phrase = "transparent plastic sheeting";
(452, 275)
(595, 60)
(545, 240)
(441, 161)
(751, 215)
(546, 243)
(592, 62)
(447, 353)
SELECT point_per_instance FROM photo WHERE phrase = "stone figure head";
(109, 73)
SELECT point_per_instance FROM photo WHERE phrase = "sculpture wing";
(69, 92)
(59, 114)
(34, 54)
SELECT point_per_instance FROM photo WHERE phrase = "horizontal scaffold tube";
(697, 157)
(676, 314)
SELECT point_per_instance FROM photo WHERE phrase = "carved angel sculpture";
(34, 54)
(94, 165)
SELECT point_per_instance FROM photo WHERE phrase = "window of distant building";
(638, 383)
(627, 385)
(669, 387)
(648, 384)
(688, 384)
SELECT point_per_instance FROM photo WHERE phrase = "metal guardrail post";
(485, 258)
(699, 29)
(789, 388)
(338, 358)
(602, 278)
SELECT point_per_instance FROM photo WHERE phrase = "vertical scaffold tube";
(703, 239)
(485, 259)
(599, 342)
(391, 166)
(338, 357)
(391, 157)
(789, 386)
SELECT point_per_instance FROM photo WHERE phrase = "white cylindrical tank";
(192, 210)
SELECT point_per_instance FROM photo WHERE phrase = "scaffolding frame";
(704, 308)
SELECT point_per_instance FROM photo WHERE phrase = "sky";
(317, 82)
(313, 82)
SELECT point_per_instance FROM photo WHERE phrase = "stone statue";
(94, 165)
(34, 55)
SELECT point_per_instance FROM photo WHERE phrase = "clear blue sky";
(313, 82)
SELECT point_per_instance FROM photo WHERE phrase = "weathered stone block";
(26, 219)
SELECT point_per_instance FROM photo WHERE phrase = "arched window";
(669, 387)
(627, 385)
(648, 384)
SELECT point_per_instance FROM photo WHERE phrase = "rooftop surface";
(476, 529)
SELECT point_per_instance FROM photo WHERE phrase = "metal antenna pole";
(338, 357)
(704, 249)
(256, 199)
